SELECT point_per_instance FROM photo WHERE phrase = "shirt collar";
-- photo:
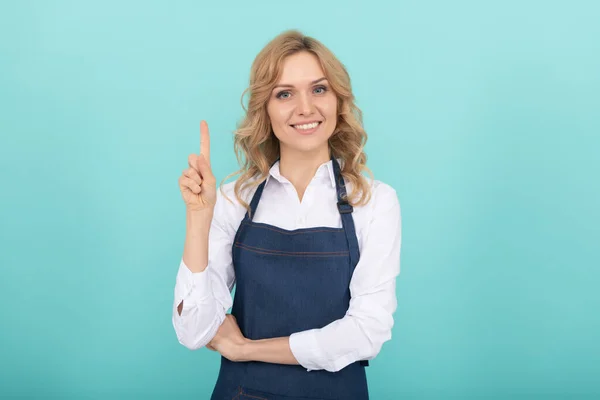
(325, 171)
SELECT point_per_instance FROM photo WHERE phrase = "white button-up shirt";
(368, 323)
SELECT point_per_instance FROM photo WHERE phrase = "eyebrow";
(312, 83)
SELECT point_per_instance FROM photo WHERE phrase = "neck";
(300, 167)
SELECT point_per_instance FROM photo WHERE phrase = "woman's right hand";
(197, 183)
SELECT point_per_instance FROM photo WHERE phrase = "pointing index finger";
(204, 140)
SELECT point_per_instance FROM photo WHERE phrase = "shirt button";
(300, 221)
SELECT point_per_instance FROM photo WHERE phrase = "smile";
(307, 128)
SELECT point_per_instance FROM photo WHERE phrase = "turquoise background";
(484, 116)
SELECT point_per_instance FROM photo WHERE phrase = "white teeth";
(307, 126)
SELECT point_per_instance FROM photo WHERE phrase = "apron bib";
(289, 281)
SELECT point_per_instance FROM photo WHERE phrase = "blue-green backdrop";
(484, 116)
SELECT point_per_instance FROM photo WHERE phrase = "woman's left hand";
(229, 340)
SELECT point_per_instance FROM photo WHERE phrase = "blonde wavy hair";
(257, 147)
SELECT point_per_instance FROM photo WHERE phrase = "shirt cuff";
(306, 349)
(193, 287)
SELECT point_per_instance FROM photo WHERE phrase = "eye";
(320, 89)
(284, 94)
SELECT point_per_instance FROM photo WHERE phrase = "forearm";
(275, 351)
(195, 250)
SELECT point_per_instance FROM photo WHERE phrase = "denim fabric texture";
(290, 281)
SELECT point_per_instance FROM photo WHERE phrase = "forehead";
(301, 68)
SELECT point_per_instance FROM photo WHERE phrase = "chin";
(292, 140)
(306, 147)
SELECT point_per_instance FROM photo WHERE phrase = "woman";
(312, 246)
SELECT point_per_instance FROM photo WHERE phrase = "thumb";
(205, 170)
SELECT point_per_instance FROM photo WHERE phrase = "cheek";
(278, 113)
(329, 106)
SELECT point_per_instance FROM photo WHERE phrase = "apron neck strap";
(257, 196)
(343, 206)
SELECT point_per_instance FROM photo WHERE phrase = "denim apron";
(286, 282)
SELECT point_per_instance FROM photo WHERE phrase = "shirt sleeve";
(368, 323)
(206, 295)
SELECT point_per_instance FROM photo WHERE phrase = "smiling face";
(302, 107)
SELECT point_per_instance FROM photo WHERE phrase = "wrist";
(245, 350)
(199, 221)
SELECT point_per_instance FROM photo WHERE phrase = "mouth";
(308, 128)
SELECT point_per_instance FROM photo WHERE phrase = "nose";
(305, 106)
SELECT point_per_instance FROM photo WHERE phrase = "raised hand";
(197, 183)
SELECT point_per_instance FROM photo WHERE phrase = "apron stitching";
(293, 254)
(254, 397)
(238, 394)
(332, 253)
